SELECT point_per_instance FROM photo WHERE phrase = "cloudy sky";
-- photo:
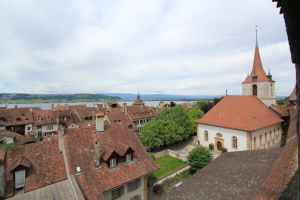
(155, 46)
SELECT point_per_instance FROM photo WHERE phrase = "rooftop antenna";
(226, 93)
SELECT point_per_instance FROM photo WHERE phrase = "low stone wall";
(170, 153)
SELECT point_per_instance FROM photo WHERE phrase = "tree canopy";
(169, 126)
(199, 157)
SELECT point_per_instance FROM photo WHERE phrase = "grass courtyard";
(167, 165)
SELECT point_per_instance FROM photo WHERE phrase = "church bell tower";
(258, 83)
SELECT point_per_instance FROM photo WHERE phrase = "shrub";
(198, 158)
(157, 188)
(224, 149)
(211, 146)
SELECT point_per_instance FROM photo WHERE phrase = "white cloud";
(179, 47)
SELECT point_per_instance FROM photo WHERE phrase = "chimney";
(99, 122)
(52, 107)
(61, 133)
(125, 108)
(67, 106)
(57, 121)
(98, 151)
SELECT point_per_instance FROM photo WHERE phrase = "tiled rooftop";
(60, 191)
(233, 112)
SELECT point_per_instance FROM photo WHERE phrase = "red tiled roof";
(21, 161)
(138, 101)
(293, 96)
(93, 181)
(120, 117)
(28, 139)
(257, 69)
(46, 117)
(2, 155)
(141, 112)
(240, 112)
(47, 165)
(59, 108)
(283, 110)
(281, 171)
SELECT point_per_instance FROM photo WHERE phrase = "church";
(244, 122)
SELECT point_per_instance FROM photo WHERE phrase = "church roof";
(138, 101)
(240, 112)
(257, 68)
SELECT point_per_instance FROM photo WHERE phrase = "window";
(234, 142)
(39, 118)
(205, 135)
(20, 179)
(48, 118)
(254, 88)
(18, 119)
(128, 157)
(78, 169)
(49, 127)
(118, 192)
(260, 141)
(39, 126)
(40, 134)
(136, 197)
(133, 185)
(254, 143)
(112, 162)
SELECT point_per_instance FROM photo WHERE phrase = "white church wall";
(268, 141)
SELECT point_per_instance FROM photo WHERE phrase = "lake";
(47, 106)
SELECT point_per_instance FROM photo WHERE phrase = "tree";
(172, 104)
(169, 126)
(194, 113)
(199, 157)
(151, 134)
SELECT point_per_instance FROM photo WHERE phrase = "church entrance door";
(219, 146)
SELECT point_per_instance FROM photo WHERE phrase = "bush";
(198, 158)
(211, 146)
(157, 188)
(224, 149)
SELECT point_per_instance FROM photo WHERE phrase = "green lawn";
(167, 165)
(9, 145)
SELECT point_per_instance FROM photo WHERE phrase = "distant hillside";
(158, 97)
(55, 98)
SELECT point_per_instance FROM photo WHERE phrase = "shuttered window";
(20, 179)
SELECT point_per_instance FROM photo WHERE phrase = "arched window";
(234, 142)
(254, 90)
(254, 141)
(260, 141)
(205, 136)
(266, 138)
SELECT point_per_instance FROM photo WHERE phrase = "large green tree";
(169, 126)
(199, 157)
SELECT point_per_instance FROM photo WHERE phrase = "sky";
(150, 47)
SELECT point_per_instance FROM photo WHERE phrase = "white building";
(239, 123)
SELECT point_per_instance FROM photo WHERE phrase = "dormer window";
(18, 119)
(48, 118)
(39, 118)
(112, 162)
(2, 119)
(128, 157)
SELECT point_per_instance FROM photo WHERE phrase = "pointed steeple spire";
(258, 73)
(256, 46)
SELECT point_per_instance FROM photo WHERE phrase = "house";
(44, 123)
(120, 117)
(66, 118)
(8, 136)
(19, 120)
(239, 123)
(108, 161)
(258, 83)
(32, 166)
(257, 174)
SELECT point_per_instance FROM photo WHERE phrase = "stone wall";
(170, 153)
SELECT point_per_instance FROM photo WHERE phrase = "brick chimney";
(61, 133)
(98, 151)
(125, 108)
(99, 122)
